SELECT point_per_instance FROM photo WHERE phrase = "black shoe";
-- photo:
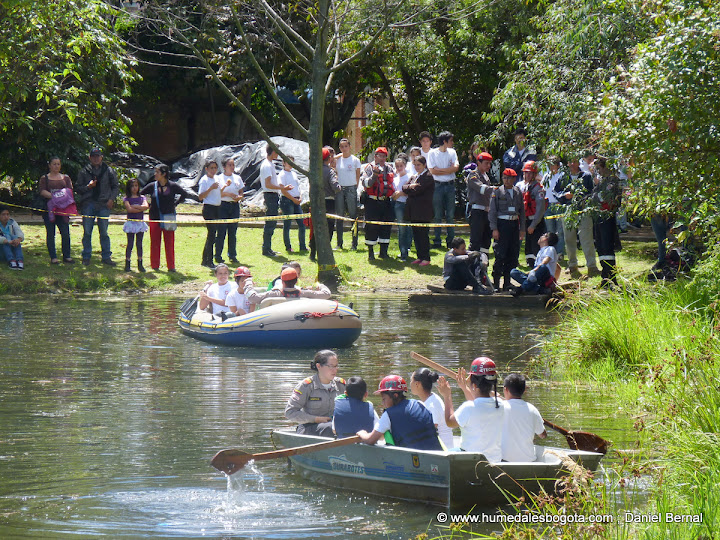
(269, 253)
(209, 265)
(172, 270)
(371, 253)
(86, 262)
(234, 261)
(219, 260)
(68, 261)
(141, 268)
(127, 266)
(109, 262)
(517, 292)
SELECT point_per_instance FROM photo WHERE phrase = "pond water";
(109, 417)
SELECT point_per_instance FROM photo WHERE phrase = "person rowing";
(312, 402)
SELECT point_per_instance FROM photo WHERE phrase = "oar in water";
(577, 440)
(231, 461)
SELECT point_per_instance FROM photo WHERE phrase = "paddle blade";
(588, 442)
(230, 461)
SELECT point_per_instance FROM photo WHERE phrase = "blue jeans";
(346, 200)
(444, 209)
(289, 208)
(64, 228)
(660, 226)
(404, 233)
(532, 281)
(96, 210)
(12, 253)
(555, 225)
(271, 209)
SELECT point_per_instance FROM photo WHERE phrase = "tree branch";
(280, 23)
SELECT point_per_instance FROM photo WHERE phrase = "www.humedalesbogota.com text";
(564, 519)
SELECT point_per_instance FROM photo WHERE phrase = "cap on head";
(484, 157)
(288, 273)
(242, 271)
(96, 152)
(392, 383)
(484, 366)
(509, 172)
(529, 167)
(381, 150)
(325, 154)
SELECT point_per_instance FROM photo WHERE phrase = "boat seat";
(272, 301)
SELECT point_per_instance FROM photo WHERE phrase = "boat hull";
(295, 323)
(456, 479)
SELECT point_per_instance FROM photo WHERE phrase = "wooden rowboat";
(437, 294)
(456, 479)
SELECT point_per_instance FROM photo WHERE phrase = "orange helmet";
(392, 383)
(529, 167)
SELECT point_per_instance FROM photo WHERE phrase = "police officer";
(377, 179)
(312, 402)
(507, 222)
(534, 201)
(605, 199)
(479, 195)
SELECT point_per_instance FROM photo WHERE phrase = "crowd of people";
(501, 428)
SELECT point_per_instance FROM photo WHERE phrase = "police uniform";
(310, 399)
(534, 201)
(507, 216)
(605, 199)
(378, 206)
(479, 195)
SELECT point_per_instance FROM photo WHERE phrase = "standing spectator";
(377, 178)
(290, 204)
(514, 158)
(555, 209)
(587, 163)
(209, 193)
(479, 195)
(48, 185)
(443, 164)
(164, 196)
(230, 195)
(660, 224)
(348, 168)
(606, 200)
(97, 188)
(11, 239)
(575, 193)
(418, 208)
(400, 199)
(507, 222)
(271, 192)
(534, 200)
(426, 140)
(135, 226)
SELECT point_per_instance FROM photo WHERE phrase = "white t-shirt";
(213, 198)
(481, 425)
(442, 160)
(346, 170)
(289, 178)
(521, 423)
(548, 251)
(399, 182)
(267, 168)
(425, 154)
(220, 292)
(549, 183)
(236, 184)
(435, 405)
(237, 299)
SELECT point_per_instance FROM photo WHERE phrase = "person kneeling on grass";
(352, 412)
(462, 268)
(522, 422)
(541, 279)
(11, 238)
(405, 422)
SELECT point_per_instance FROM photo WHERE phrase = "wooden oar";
(231, 461)
(577, 440)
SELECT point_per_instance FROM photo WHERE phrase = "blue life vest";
(351, 415)
(412, 426)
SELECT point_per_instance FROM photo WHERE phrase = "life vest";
(383, 187)
(529, 200)
(412, 426)
(291, 293)
(351, 415)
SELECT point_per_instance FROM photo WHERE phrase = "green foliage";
(705, 285)
(63, 77)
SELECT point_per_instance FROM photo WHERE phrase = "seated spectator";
(480, 418)
(236, 301)
(352, 412)
(216, 294)
(11, 239)
(540, 279)
(521, 423)
(289, 290)
(405, 422)
(459, 267)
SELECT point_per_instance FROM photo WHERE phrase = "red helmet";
(392, 383)
(529, 167)
(484, 366)
(242, 271)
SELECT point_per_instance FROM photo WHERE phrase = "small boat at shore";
(301, 322)
(455, 479)
(439, 294)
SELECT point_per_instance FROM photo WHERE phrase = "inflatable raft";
(302, 322)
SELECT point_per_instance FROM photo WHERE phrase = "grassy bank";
(358, 274)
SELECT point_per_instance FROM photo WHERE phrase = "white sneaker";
(13, 265)
(20, 265)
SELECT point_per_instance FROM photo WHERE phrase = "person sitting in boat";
(460, 268)
(421, 383)
(521, 423)
(236, 301)
(541, 279)
(312, 402)
(277, 282)
(216, 294)
(289, 290)
(405, 422)
(352, 412)
(480, 418)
